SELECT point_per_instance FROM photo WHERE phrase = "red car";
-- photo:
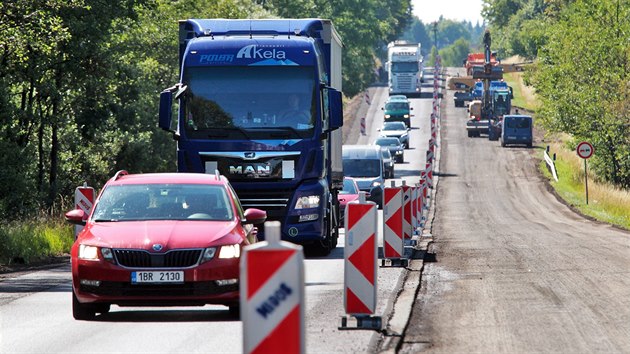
(162, 239)
(350, 192)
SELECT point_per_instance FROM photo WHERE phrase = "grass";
(25, 242)
(524, 96)
(605, 202)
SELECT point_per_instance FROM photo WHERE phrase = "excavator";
(496, 97)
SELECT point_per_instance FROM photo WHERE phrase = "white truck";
(404, 68)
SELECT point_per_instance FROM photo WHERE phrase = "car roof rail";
(119, 174)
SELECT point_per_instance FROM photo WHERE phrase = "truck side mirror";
(335, 109)
(166, 106)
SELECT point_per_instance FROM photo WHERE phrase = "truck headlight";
(306, 202)
(406, 116)
(387, 116)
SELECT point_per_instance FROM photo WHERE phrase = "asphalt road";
(515, 270)
(35, 308)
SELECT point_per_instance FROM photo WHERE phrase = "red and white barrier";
(84, 200)
(363, 127)
(272, 295)
(407, 227)
(429, 175)
(414, 209)
(360, 255)
(393, 245)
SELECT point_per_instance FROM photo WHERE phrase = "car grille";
(159, 290)
(169, 259)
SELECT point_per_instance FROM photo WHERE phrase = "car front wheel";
(83, 312)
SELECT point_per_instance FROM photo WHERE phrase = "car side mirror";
(76, 217)
(255, 216)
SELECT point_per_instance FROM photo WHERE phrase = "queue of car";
(174, 239)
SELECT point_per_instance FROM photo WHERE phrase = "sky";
(430, 10)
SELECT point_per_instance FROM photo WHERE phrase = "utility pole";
(435, 24)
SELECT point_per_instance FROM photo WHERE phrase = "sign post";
(585, 151)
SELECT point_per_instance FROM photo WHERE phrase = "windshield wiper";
(106, 220)
(286, 129)
(221, 132)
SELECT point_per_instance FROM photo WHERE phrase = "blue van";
(517, 129)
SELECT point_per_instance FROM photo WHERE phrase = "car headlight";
(406, 116)
(230, 251)
(306, 202)
(89, 253)
(387, 116)
(376, 183)
(404, 135)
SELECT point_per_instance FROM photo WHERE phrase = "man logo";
(250, 155)
(253, 52)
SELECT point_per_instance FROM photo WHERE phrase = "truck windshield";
(403, 67)
(252, 101)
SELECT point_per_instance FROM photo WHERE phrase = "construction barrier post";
(360, 270)
(84, 200)
(393, 245)
(272, 295)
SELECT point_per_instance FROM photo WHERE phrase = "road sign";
(272, 295)
(585, 150)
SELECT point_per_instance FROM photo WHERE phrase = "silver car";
(397, 130)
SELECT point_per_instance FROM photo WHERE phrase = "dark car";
(395, 147)
(161, 239)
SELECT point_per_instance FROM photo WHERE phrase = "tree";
(582, 81)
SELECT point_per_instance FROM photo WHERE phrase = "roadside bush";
(26, 242)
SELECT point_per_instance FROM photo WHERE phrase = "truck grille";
(274, 202)
(170, 259)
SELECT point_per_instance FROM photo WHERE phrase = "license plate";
(157, 277)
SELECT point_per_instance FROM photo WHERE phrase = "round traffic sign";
(585, 150)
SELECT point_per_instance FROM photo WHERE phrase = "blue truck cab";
(517, 129)
(260, 101)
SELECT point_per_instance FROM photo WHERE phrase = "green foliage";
(29, 241)
(80, 83)
(582, 80)
(454, 54)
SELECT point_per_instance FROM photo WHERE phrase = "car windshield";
(394, 126)
(349, 187)
(362, 167)
(224, 102)
(134, 202)
(397, 106)
(387, 142)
